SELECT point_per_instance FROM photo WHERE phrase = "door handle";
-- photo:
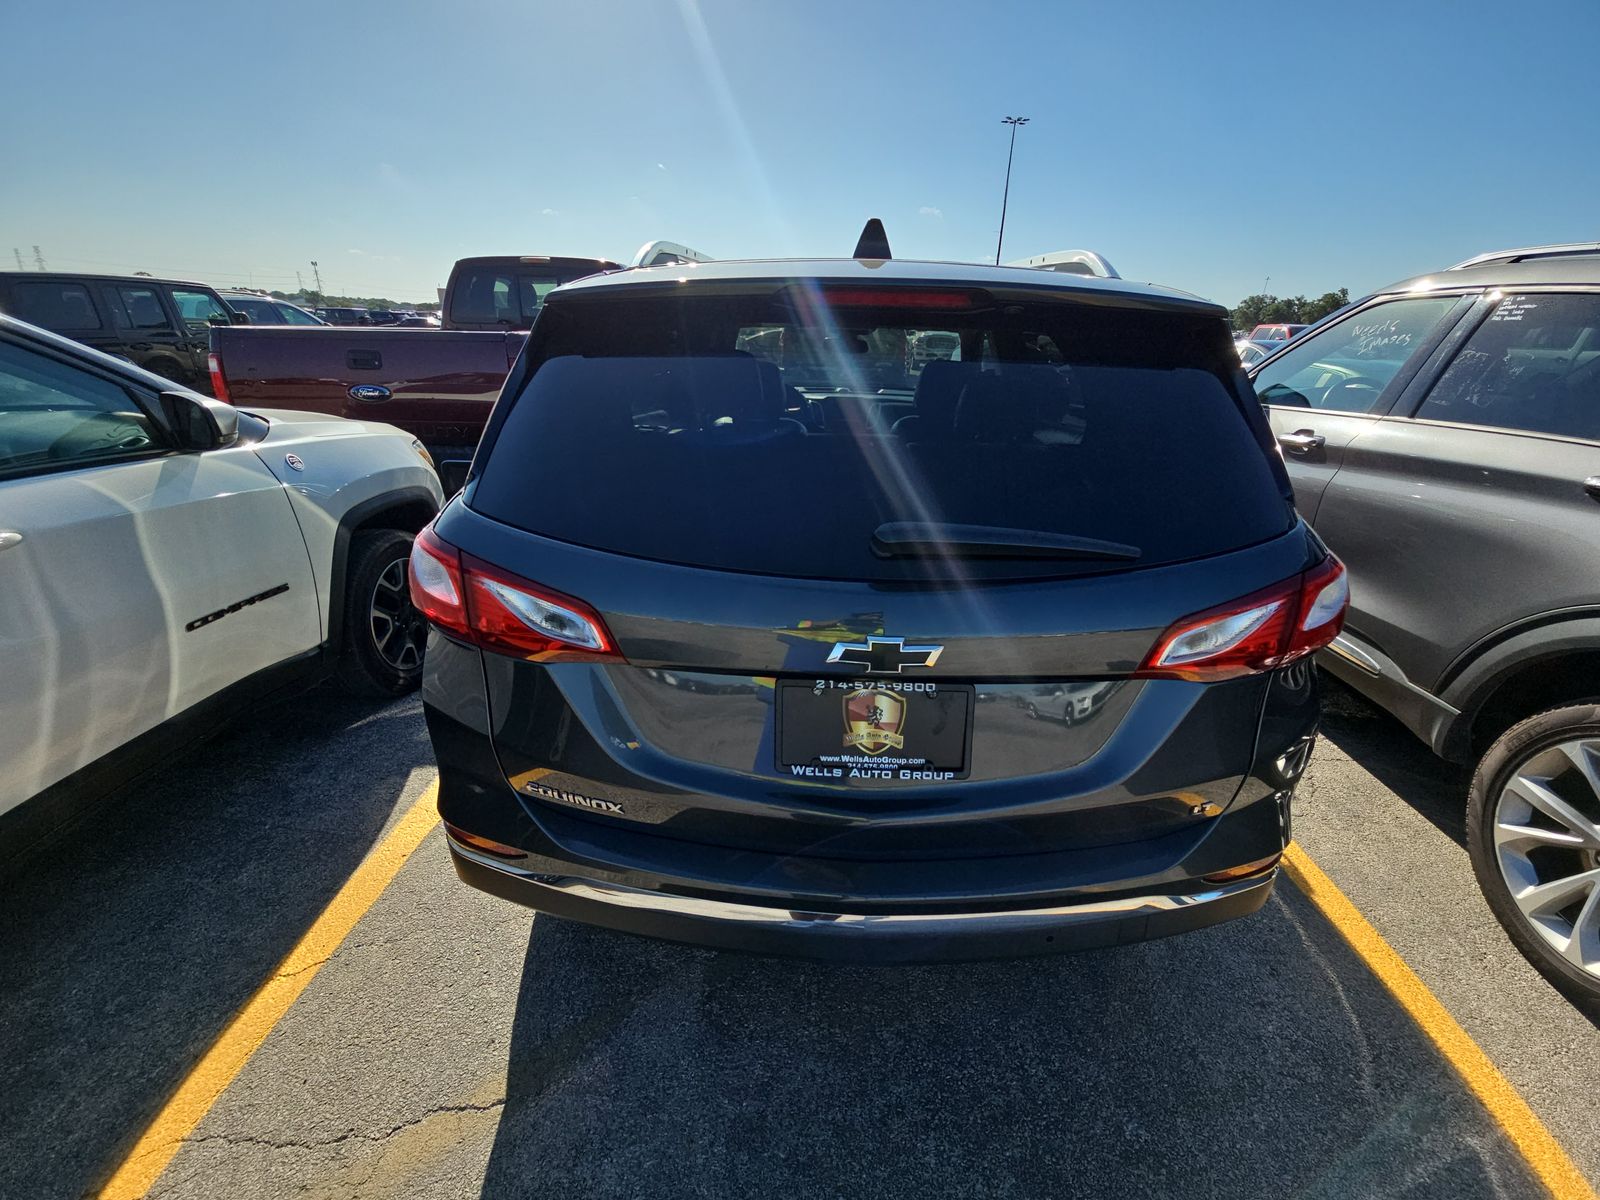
(9, 538)
(1590, 485)
(1302, 441)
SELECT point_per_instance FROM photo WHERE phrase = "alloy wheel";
(399, 631)
(1547, 845)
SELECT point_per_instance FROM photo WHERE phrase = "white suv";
(165, 558)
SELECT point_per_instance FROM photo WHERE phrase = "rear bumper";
(735, 923)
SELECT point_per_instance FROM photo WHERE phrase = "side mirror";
(239, 318)
(198, 423)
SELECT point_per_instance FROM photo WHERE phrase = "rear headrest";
(738, 386)
(939, 388)
(985, 409)
(1016, 404)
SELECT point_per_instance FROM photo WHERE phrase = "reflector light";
(487, 845)
(1259, 867)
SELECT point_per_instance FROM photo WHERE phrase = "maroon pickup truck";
(436, 384)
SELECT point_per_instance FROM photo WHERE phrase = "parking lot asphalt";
(455, 1045)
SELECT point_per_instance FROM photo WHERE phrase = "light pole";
(317, 274)
(1005, 199)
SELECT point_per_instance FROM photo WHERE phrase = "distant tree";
(1252, 311)
(1262, 309)
(1326, 303)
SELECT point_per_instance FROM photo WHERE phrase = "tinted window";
(485, 298)
(1533, 365)
(1346, 367)
(197, 309)
(293, 315)
(54, 415)
(54, 305)
(732, 434)
(260, 310)
(505, 295)
(138, 308)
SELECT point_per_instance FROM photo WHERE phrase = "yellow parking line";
(234, 1046)
(221, 1064)
(1509, 1110)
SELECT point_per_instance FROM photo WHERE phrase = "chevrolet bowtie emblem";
(884, 656)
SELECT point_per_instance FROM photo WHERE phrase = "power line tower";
(17, 251)
(38, 259)
(300, 283)
(316, 274)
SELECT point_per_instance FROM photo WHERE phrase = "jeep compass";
(753, 623)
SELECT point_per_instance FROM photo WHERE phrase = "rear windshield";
(506, 294)
(754, 434)
(260, 312)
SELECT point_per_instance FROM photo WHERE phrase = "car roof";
(534, 260)
(77, 349)
(1571, 264)
(898, 272)
(40, 276)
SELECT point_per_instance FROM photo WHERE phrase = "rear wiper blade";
(929, 539)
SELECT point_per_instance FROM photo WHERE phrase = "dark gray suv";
(1443, 436)
(738, 617)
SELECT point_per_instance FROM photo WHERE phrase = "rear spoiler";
(663, 254)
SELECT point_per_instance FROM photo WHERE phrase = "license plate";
(863, 731)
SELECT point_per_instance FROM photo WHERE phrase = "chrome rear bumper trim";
(866, 923)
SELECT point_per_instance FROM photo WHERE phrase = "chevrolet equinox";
(752, 623)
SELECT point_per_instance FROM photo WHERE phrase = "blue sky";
(1339, 143)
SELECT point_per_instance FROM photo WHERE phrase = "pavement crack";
(1362, 1057)
(378, 1135)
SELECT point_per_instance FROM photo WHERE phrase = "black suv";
(722, 616)
(1444, 436)
(162, 325)
(345, 316)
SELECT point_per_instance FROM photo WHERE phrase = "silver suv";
(1443, 436)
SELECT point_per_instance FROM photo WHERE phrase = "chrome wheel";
(399, 632)
(1547, 845)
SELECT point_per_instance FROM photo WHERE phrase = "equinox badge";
(884, 656)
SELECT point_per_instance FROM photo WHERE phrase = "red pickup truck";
(436, 384)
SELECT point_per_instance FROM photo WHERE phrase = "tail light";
(482, 604)
(219, 385)
(1258, 632)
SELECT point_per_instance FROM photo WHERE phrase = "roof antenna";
(874, 242)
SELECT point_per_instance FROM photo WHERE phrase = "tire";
(383, 634)
(1552, 758)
